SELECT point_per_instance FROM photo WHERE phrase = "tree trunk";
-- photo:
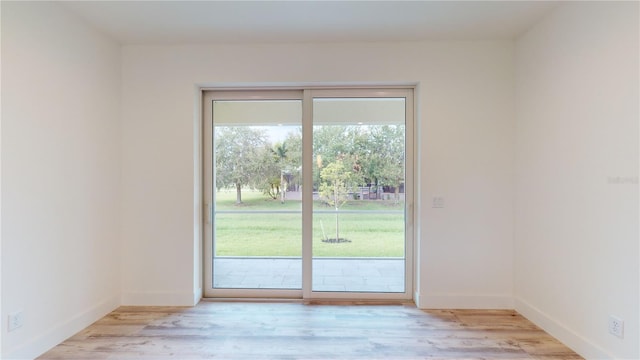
(284, 189)
(337, 231)
(238, 194)
(335, 198)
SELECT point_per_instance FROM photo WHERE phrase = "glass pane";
(257, 207)
(358, 192)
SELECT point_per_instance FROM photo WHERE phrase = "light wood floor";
(250, 330)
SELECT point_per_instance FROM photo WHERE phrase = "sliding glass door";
(308, 193)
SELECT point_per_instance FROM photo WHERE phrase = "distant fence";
(361, 193)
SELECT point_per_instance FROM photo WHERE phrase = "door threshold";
(315, 301)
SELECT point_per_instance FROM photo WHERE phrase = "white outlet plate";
(437, 202)
(16, 320)
(616, 326)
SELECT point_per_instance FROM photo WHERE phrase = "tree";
(387, 163)
(280, 153)
(376, 152)
(238, 156)
(269, 170)
(337, 182)
(333, 142)
(294, 158)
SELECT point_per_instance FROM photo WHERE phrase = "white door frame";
(307, 94)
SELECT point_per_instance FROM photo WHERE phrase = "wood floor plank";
(319, 330)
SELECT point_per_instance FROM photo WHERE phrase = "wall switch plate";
(437, 202)
(16, 320)
(616, 326)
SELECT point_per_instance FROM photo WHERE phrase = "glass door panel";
(359, 242)
(308, 193)
(257, 212)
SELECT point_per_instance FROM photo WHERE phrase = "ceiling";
(186, 22)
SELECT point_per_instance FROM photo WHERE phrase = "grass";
(274, 234)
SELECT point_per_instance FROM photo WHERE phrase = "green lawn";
(242, 234)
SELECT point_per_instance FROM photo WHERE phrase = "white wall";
(1, 333)
(60, 175)
(577, 176)
(466, 115)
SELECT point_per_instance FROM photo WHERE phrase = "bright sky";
(278, 133)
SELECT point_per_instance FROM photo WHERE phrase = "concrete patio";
(329, 274)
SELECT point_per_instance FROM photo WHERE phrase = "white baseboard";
(197, 296)
(58, 333)
(160, 298)
(416, 299)
(559, 331)
(461, 301)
